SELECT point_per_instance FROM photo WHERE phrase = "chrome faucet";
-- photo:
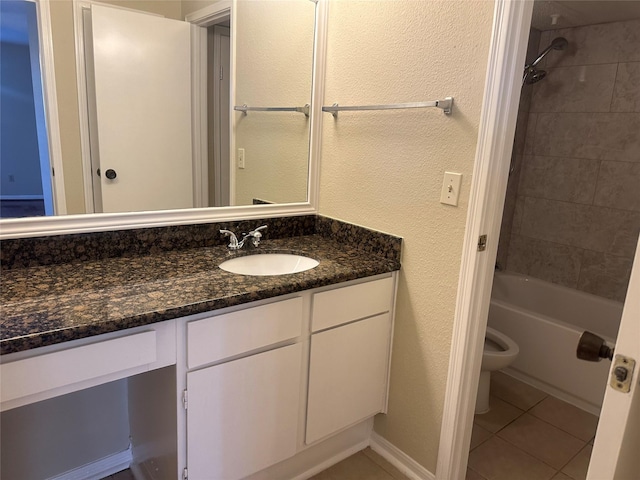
(254, 235)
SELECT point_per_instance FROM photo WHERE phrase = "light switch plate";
(451, 188)
(241, 158)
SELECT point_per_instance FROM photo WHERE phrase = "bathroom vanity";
(223, 376)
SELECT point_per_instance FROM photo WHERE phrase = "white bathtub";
(546, 321)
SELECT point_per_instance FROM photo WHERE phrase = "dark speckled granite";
(31, 252)
(89, 294)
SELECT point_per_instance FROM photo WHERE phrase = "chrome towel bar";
(244, 109)
(446, 105)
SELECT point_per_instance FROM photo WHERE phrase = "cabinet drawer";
(342, 305)
(66, 367)
(224, 336)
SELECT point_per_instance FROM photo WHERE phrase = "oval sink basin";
(269, 264)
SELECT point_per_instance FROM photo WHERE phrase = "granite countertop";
(45, 305)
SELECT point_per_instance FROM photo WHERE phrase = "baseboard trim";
(21, 197)
(99, 469)
(396, 457)
(332, 461)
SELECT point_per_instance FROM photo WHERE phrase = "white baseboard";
(332, 461)
(396, 457)
(21, 197)
(99, 469)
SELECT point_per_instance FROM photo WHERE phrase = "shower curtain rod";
(244, 109)
(446, 105)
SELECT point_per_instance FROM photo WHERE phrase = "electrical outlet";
(241, 158)
(451, 188)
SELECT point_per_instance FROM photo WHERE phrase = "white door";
(143, 109)
(616, 452)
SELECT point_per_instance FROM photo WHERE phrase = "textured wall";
(47, 438)
(385, 170)
(577, 213)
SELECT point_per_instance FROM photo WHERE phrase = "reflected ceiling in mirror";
(138, 151)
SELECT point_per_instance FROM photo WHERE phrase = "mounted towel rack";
(244, 109)
(446, 105)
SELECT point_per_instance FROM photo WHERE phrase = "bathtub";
(546, 321)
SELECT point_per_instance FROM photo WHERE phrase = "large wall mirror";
(160, 111)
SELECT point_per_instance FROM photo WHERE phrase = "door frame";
(201, 20)
(511, 24)
(50, 103)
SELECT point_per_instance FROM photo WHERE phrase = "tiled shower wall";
(576, 213)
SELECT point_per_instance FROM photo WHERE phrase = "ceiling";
(573, 13)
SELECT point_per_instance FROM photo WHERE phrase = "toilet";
(499, 352)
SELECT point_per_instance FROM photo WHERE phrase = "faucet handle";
(233, 242)
(256, 235)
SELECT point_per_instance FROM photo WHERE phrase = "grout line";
(613, 90)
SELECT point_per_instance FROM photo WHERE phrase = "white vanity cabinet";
(349, 360)
(268, 382)
(267, 389)
(243, 413)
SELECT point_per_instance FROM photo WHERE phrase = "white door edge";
(51, 104)
(510, 35)
(611, 457)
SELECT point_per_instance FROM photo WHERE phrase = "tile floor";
(529, 435)
(364, 465)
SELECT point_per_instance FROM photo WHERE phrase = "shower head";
(531, 74)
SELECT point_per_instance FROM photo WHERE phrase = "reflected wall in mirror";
(271, 65)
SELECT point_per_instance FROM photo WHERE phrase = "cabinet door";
(347, 375)
(242, 416)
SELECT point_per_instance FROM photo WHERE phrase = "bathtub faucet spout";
(593, 348)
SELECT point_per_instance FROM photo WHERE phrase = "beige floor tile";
(384, 464)
(496, 459)
(473, 475)
(561, 476)
(566, 417)
(478, 436)
(542, 440)
(578, 466)
(514, 391)
(500, 415)
(356, 467)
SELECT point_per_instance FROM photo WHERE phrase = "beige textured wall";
(577, 212)
(67, 90)
(274, 66)
(385, 170)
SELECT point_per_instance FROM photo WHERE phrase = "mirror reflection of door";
(141, 138)
(26, 188)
